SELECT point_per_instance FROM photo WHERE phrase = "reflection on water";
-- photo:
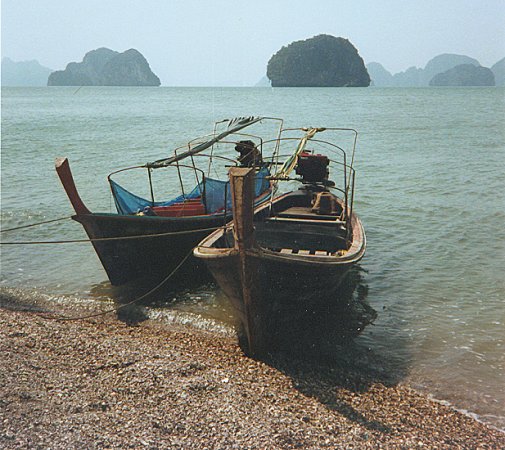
(197, 302)
(153, 290)
(155, 286)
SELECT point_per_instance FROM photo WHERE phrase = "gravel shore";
(102, 383)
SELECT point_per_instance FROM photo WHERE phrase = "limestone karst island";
(464, 75)
(321, 61)
(105, 67)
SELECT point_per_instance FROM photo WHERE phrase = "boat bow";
(67, 180)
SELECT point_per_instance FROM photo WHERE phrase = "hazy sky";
(229, 42)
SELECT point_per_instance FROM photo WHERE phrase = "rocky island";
(446, 69)
(464, 75)
(321, 61)
(105, 67)
(498, 70)
(24, 73)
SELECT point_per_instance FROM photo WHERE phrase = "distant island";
(498, 70)
(24, 73)
(321, 61)
(105, 67)
(464, 75)
(431, 74)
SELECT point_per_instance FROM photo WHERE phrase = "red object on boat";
(183, 209)
(312, 168)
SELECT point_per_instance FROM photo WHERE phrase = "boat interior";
(193, 180)
(293, 224)
(314, 220)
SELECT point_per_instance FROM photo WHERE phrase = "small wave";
(494, 421)
(194, 320)
(33, 300)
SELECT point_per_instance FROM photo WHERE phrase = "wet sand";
(106, 383)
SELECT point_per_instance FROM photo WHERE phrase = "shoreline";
(105, 383)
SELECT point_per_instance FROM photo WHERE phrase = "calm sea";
(430, 191)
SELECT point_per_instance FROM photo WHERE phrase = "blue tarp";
(215, 193)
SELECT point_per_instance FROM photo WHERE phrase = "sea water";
(429, 189)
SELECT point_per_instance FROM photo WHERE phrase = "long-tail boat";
(296, 249)
(152, 236)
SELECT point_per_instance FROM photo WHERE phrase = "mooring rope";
(117, 238)
(154, 289)
(103, 313)
(35, 224)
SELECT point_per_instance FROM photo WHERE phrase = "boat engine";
(313, 168)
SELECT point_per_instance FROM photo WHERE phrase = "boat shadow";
(17, 300)
(131, 299)
(319, 351)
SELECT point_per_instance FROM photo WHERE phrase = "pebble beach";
(103, 382)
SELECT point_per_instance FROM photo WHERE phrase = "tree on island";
(321, 61)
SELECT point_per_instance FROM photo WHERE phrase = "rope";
(78, 241)
(290, 164)
(35, 224)
(103, 313)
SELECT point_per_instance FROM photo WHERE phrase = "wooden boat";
(151, 238)
(293, 251)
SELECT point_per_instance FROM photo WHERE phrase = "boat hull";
(292, 262)
(133, 247)
(282, 285)
(144, 246)
(285, 292)
(286, 287)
